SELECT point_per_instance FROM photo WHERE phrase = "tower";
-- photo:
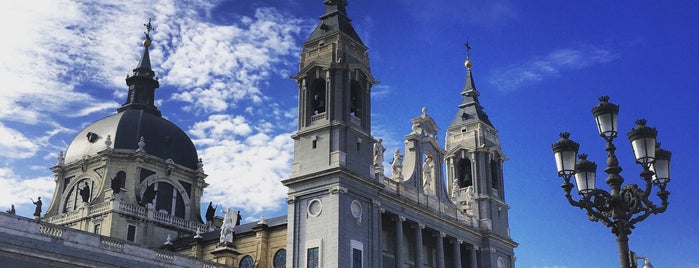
(132, 175)
(333, 158)
(474, 166)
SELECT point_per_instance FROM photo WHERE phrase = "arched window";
(317, 95)
(464, 173)
(167, 198)
(82, 191)
(494, 174)
(280, 259)
(246, 262)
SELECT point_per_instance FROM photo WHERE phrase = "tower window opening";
(318, 96)
(494, 174)
(356, 99)
(464, 173)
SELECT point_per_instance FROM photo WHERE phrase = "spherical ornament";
(146, 43)
(468, 64)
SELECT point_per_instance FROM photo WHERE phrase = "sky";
(223, 66)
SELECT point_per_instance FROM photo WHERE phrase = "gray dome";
(125, 128)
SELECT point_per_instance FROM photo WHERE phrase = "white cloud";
(15, 145)
(18, 190)
(247, 173)
(62, 66)
(217, 66)
(531, 71)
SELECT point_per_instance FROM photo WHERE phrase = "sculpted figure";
(378, 153)
(85, 193)
(37, 210)
(397, 164)
(227, 228)
(427, 175)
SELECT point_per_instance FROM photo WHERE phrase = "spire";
(470, 108)
(469, 89)
(335, 20)
(142, 84)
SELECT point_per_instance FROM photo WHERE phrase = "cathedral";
(129, 186)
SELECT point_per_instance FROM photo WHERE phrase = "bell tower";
(474, 162)
(334, 80)
(332, 171)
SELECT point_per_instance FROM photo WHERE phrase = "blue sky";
(224, 65)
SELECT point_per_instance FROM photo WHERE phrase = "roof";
(335, 20)
(124, 129)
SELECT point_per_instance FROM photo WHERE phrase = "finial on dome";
(60, 159)
(141, 145)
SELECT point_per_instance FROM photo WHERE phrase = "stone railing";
(178, 222)
(317, 117)
(50, 231)
(111, 244)
(125, 209)
(132, 209)
(411, 194)
(74, 245)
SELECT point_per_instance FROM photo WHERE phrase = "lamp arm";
(598, 205)
(647, 176)
(567, 187)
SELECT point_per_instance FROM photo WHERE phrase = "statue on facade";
(210, 213)
(116, 185)
(397, 164)
(454, 188)
(12, 210)
(427, 175)
(37, 210)
(378, 156)
(149, 194)
(227, 227)
(469, 197)
(85, 193)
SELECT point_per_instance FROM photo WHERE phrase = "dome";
(124, 130)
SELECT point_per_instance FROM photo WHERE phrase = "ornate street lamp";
(622, 207)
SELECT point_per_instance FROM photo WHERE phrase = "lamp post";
(623, 206)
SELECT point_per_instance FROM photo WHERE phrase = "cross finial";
(149, 27)
(468, 50)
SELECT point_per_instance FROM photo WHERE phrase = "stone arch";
(71, 198)
(182, 199)
(317, 96)
(464, 172)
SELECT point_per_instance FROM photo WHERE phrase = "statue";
(378, 153)
(85, 193)
(227, 227)
(149, 194)
(427, 175)
(469, 197)
(238, 218)
(210, 212)
(117, 182)
(12, 210)
(37, 211)
(454, 188)
(397, 164)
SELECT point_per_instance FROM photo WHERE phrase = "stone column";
(474, 256)
(457, 253)
(419, 254)
(440, 249)
(399, 241)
